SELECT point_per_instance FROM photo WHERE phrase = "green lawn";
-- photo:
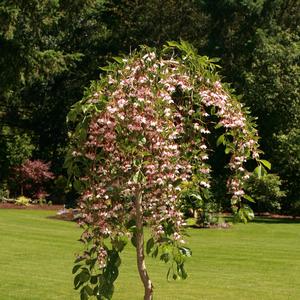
(260, 260)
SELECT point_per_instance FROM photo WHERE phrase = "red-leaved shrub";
(31, 177)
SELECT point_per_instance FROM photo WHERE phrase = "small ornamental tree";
(141, 132)
(31, 176)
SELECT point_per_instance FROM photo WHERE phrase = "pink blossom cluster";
(133, 146)
(233, 119)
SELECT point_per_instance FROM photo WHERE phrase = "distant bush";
(4, 193)
(23, 201)
(59, 190)
(31, 177)
(287, 164)
(266, 192)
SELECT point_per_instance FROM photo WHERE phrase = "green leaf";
(76, 268)
(196, 196)
(219, 125)
(155, 252)
(79, 258)
(165, 257)
(149, 245)
(183, 273)
(221, 140)
(118, 59)
(257, 171)
(266, 163)
(77, 185)
(77, 281)
(249, 198)
(168, 273)
(94, 279)
(227, 150)
(136, 176)
(133, 239)
(260, 171)
(174, 44)
(106, 68)
(119, 243)
(131, 224)
(111, 273)
(83, 295)
(84, 276)
(96, 291)
(89, 290)
(185, 251)
(92, 263)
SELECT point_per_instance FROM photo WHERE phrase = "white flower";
(239, 193)
(205, 131)
(205, 184)
(196, 126)
(167, 112)
(122, 103)
(112, 109)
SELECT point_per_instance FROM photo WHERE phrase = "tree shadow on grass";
(280, 220)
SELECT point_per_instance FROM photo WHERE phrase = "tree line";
(51, 50)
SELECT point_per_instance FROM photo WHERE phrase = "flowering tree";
(141, 132)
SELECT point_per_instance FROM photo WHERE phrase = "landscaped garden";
(260, 260)
(143, 143)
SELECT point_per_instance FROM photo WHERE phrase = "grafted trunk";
(140, 249)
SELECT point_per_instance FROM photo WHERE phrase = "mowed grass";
(260, 260)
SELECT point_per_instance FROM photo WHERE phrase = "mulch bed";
(224, 225)
(68, 215)
(275, 216)
(31, 206)
(268, 216)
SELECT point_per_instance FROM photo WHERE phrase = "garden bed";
(31, 206)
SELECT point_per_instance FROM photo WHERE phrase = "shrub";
(31, 177)
(287, 158)
(4, 193)
(266, 192)
(60, 190)
(23, 201)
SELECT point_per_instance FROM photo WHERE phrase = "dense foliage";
(50, 50)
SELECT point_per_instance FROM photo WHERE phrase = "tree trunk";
(140, 249)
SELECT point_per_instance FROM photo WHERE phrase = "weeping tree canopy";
(139, 135)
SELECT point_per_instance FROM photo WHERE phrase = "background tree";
(258, 42)
(45, 64)
(50, 50)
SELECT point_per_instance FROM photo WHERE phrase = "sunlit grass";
(260, 260)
